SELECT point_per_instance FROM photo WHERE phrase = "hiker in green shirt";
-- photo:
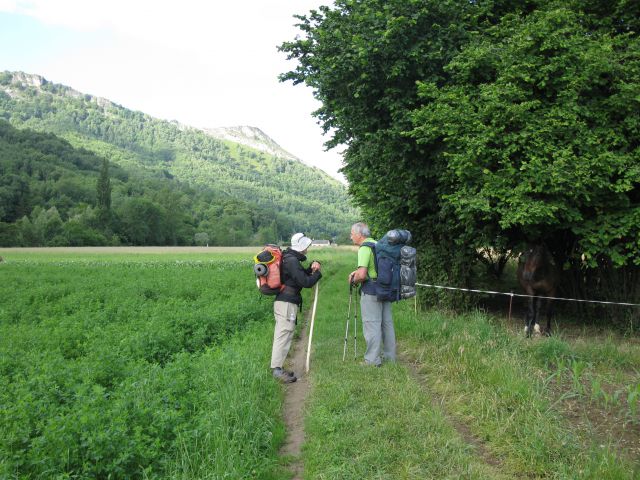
(377, 323)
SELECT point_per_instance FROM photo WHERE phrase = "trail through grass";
(377, 423)
(365, 422)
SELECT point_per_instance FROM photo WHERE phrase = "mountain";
(254, 176)
(251, 137)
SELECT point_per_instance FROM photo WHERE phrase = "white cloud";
(8, 6)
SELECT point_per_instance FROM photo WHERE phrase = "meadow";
(155, 365)
(472, 398)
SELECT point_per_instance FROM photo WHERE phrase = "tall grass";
(501, 385)
(238, 427)
(156, 367)
(484, 407)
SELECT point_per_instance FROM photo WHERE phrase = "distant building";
(321, 243)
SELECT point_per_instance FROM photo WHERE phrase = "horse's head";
(534, 258)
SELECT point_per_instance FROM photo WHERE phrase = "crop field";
(119, 365)
(154, 364)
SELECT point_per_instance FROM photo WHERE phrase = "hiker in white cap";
(285, 308)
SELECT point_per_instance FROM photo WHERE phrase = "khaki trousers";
(285, 314)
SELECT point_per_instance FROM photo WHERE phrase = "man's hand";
(315, 266)
(358, 276)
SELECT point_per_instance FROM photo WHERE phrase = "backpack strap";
(369, 285)
(372, 246)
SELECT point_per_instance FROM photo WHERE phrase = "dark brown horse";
(537, 276)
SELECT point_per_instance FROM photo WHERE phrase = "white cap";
(299, 242)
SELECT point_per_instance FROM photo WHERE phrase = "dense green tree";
(486, 124)
(540, 129)
(76, 234)
(47, 224)
(363, 59)
(177, 223)
(26, 234)
(10, 235)
(202, 239)
(14, 196)
(141, 221)
(267, 234)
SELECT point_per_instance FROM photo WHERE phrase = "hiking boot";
(283, 375)
(278, 371)
(364, 363)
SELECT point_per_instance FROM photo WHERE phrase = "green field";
(132, 366)
(155, 365)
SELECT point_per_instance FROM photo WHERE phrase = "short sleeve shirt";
(365, 259)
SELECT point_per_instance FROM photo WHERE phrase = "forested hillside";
(167, 183)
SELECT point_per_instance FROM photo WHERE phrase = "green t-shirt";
(365, 259)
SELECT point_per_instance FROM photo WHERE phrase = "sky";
(203, 63)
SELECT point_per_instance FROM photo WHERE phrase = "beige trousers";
(285, 314)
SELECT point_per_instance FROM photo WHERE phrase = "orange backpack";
(268, 264)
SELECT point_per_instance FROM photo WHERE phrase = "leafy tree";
(483, 125)
(202, 239)
(14, 197)
(47, 224)
(9, 235)
(26, 234)
(141, 221)
(76, 234)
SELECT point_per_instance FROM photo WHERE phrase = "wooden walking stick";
(313, 316)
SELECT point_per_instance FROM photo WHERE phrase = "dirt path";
(295, 396)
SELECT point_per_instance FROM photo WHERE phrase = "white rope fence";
(511, 294)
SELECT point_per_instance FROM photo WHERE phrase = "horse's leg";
(550, 306)
(528, 322)
(536, 314)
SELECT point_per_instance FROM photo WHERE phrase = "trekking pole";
(355, 327)
(313, 316)
(346, 334)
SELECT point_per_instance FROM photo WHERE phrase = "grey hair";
(361, 229)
